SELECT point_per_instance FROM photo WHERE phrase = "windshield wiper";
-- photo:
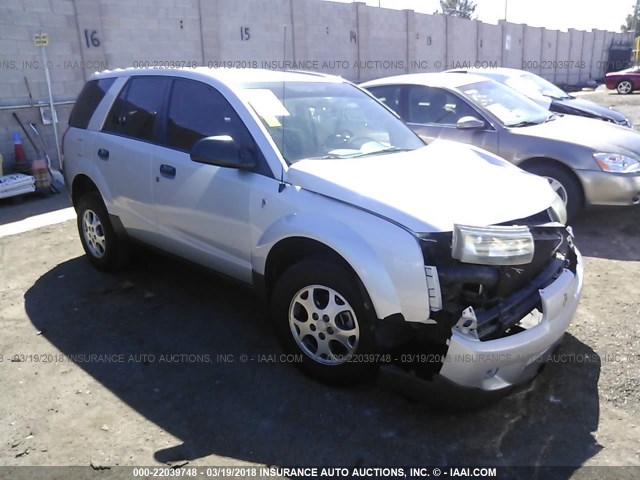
(524, 123)
(385, 150)
(364, 154)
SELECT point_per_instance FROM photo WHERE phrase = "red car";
(624, 81)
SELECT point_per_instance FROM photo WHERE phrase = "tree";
(629, 24)
(458, 8)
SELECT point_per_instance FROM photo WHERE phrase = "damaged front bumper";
(501, 363)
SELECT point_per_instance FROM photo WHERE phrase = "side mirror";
(470, 123)
(222, 151)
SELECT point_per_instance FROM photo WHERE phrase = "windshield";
(534, 86)
(327, 120)
(509, 106)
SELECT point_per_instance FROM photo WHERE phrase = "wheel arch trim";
(346, 243)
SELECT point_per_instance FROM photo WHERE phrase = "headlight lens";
(492, 245)
(616, 163)
(558, 210)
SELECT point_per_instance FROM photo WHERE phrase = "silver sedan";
(588, 162)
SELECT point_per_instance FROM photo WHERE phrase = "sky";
(551, 14)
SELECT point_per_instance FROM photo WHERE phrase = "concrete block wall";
(21, 64)
(489, 43)
(462, 40)
(354, 40)
(382, 42)
(326, 36)
(427, 43)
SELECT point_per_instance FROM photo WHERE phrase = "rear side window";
(88, 100)
(197, 110)
(136, 109)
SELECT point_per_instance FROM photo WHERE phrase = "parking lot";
(164, 362)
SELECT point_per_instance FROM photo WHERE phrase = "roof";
(502, 71)
(233, 76)
(442, 79)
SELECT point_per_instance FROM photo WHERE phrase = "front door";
(202, 210)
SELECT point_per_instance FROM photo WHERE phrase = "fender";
(366, 255)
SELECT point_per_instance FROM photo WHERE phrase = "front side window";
(326, 120)
(135, 111)
(197, 110)
(436, 106)
(510, 107)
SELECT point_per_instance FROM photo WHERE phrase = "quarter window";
(88, 100)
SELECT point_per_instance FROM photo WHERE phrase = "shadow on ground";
(269, 412)
(18, 208)
(611, 233)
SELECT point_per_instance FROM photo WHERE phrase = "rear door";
(124, 153)
(433, 113)
(203, 210)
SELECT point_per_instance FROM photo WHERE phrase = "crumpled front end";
(499, 323)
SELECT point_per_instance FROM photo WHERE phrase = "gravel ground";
(156, 398)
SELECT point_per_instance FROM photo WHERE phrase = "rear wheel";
(104, 248)
(320, 313)
(624, 87)
(564, 184)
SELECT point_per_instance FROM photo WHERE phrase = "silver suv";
(361, 238)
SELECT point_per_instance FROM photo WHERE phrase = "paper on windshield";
(503, 113)
(267, 105)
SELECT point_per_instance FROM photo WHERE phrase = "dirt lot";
(153, 397)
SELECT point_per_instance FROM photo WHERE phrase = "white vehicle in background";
(311, 191)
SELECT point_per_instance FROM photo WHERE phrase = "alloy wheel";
(625, 87)
(324, 325)
(94, 233)
(559, 189)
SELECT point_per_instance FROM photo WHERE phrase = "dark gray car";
(588, 162)
(547, 95)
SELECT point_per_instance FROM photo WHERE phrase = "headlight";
(616, 163)
(558, 210)
(492, 245)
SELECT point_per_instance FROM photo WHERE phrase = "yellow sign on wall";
(41, 39)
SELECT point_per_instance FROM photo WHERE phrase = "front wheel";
(320, 314)
(564, 184)
(624, 87)
(104, 248)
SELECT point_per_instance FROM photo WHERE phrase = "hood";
(429, 189)
(588, 132)
(626, 70)
(578, 106)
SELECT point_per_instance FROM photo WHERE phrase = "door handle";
(103, 153)
(167, 170)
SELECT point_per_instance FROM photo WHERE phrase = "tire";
(102, 245)
(624, 87)
(565, 185)
(310, 331)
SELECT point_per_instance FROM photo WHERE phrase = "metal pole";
(54, 116)
(634, 20)
(506, 4)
